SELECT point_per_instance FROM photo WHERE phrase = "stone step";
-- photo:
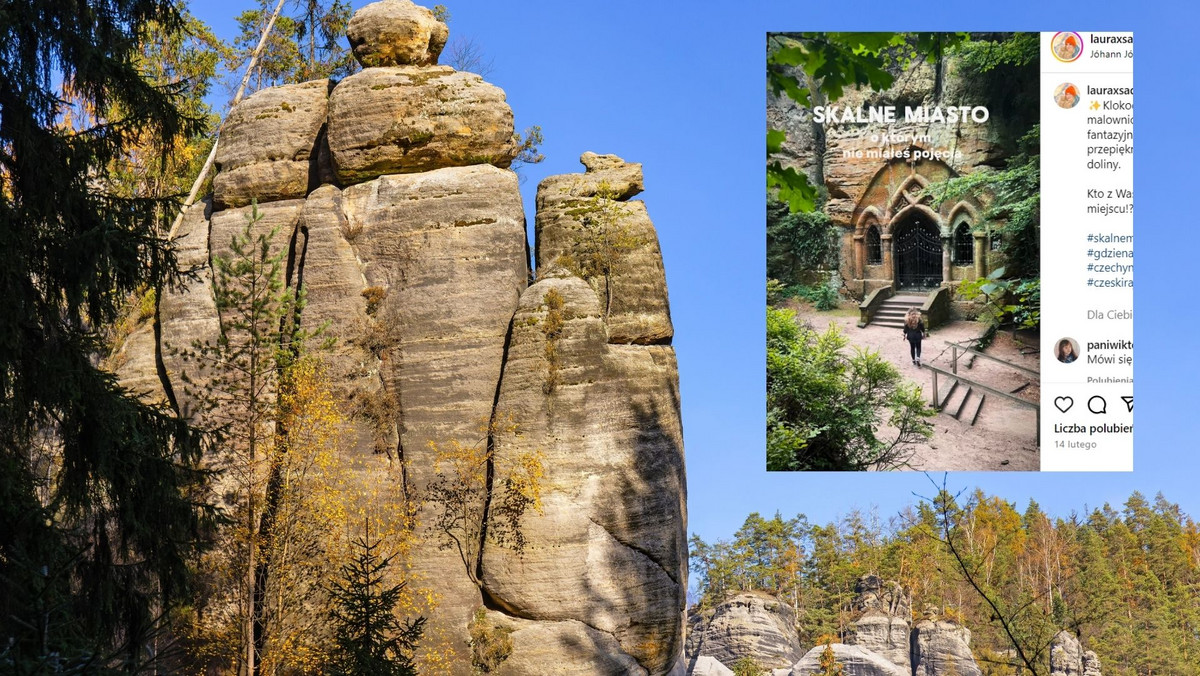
(947, 393)
(974, 415)
(892, 311)
(956, 403)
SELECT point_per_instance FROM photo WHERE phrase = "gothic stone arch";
(892, 200)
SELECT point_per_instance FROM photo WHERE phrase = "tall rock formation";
(391, 195)
(884, 623)
(610, 551)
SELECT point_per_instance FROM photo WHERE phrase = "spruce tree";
(95, 486)
(370, 640)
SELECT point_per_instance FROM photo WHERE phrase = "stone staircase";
(961, 402)
(891, 312)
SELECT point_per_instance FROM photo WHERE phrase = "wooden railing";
(955, 347)
(990, 390)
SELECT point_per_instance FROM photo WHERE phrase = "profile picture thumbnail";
(1066, 95)
(1066, 350)
(1066, 46)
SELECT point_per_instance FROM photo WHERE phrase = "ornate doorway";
(918, 253)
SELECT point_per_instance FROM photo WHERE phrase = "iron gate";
(918, 255)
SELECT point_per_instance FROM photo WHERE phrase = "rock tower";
(391, 193)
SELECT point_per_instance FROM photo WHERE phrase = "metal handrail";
(954, 359)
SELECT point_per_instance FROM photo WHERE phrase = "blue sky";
(681, 88)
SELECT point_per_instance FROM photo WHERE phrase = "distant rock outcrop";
(884, 624)
(942, 647)
(882, 641)
(1068, 658)
(855, 660)
(753, 625)
(390, 195)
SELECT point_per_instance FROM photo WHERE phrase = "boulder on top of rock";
(750, 624)
(874, 593)
(408, 119)
(268, 145)
(605, 174)
(396, 33)
(855, 661)
(586, 223)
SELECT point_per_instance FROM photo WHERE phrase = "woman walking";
(914, 331)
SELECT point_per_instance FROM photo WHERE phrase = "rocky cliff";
(882, 641)
(390, 193)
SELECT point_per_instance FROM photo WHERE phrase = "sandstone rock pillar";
(941, 648)
(884, 623)
(591, 386)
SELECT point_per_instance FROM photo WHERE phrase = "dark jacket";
(915, 334)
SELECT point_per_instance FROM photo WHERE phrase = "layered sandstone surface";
(390, 198)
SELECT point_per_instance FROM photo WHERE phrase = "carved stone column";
(885, 243)
(860, 255)
(945, 258)
(980, 255)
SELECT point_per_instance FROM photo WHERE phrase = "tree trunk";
(237, 97)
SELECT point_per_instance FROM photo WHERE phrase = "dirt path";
(1004, 437)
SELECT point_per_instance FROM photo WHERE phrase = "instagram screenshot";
(1087, 241)
(950, 251)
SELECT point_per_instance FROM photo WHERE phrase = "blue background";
(681, 88)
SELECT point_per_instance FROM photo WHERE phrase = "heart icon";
(1063, 404)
